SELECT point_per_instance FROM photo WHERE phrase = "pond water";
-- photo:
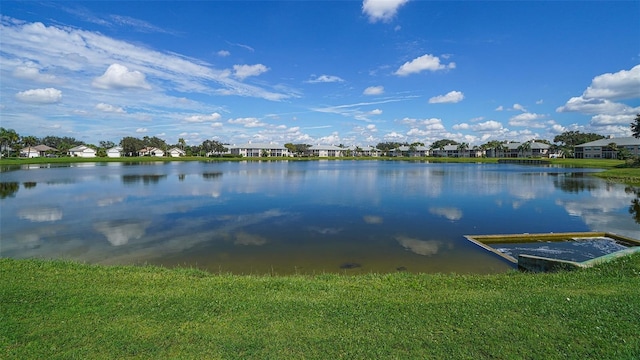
(300, 216)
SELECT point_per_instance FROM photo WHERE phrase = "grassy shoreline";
(58, 309)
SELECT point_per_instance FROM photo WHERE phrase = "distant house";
(446, 151)
(600, 149)
(114, 152)
(82, 151)
(415, 151)
(259, 150)
(325, 151)
(176, 152)
(368, 151)
(36, 151)
(151, 151)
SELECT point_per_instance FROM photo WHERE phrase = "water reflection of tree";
(29, 184)
(211, 175)
(574, 183)
(145, 179)
(8, 189)
(634, 208)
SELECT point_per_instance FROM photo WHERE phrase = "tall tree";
(635, 127)
(8, 139)
(28, 142)
(131, 145)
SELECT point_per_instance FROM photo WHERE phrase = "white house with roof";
(151, 151)
(36, 151)
(415, 151)
(176, 152)
(82, 151)
(368, 151)
(325, 151)
(603, 149)
(259, 150)
(114, 152)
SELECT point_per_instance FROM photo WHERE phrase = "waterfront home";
(151, 151)
(36, 151)
(82, 151)
(410, 151)
(259, 150)
(325, 151)
(607, 148)
(368, 151)
(114, 152)
(176, 152)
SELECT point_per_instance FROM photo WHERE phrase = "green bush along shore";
(67, 310)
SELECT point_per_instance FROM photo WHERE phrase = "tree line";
(11, 142)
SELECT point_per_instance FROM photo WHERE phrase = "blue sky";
(319, 72)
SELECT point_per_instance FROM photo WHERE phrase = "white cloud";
(463, 126)
(381, 10)
(594, 106)
(500, 108)
(30, 70)
(519, 107)
(624, 84)
(374, 90)
(526, 119)
(325, 79)
(40, 96)
(119, 77)
(141, 130)
(450, 97)
(203, 118)
(109, 108)
(223, 53)
(375, 112)
(244, 71)
(490, 125)
(249, 122)
(605, 119)
(424, 62)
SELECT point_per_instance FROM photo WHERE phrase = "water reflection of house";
(36, 151)
(82, 151)
(151, 151)
(604, 149)
(114, 152)
(259, 150)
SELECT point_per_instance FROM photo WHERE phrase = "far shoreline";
(613, 170)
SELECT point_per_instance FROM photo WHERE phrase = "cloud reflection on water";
(43, 214)
(420, 247)
(120, 232)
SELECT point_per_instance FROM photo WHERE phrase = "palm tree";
(613, 147)
(8, 138)
(182, 143)
(29, 141)
(462, 147)
(524, 148)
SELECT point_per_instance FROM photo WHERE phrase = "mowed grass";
(65, 310)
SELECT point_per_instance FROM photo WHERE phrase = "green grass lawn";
(62, 310)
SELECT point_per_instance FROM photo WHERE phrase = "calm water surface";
(298, 217)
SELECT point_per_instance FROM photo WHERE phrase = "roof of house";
(326, 147)
(623, 141)
(80, 148)
(260, 146)
(39, 148)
